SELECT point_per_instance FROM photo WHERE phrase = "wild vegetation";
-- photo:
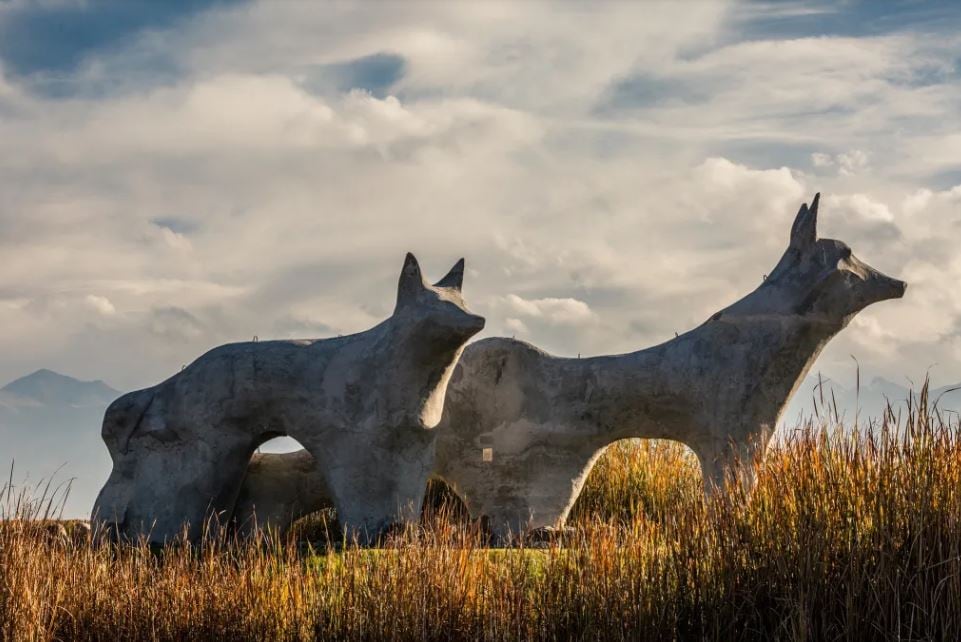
(850, 535)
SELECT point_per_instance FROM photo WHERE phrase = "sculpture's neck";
(752, 362)
(774, 352)
(779, 336)
(418, 368)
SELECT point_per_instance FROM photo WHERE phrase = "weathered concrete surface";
(362, 405)
(720, 388)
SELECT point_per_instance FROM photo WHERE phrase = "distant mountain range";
(46, 387)
(50, 428)
(50, 425)
(866, 402)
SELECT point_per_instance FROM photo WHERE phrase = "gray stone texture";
(522, 428)
(362, 405)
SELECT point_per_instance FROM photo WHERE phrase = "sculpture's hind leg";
(729, 465)
(182, 481)
(497, 498)
(518, 495)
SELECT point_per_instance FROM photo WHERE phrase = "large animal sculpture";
(522, 428)
(362, 405)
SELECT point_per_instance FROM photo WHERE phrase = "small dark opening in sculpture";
(442, 503)
(442, 506)
(320, 528)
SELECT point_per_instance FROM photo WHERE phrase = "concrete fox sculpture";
(522, 428)
(362, 405)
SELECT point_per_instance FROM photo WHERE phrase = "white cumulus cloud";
(100, 304)
(566, 311)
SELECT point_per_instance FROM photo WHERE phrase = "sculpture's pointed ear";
(804, 232)
(454, 279)
(411, 282)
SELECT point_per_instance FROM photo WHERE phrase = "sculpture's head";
(435, 312)
(434, 324)
(821, 279)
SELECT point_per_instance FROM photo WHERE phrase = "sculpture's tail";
(122, 418)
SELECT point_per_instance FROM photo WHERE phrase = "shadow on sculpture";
(362, 406)
(522, 428)
(282, 489)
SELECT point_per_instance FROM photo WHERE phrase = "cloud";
(847, 163)
(865, 209)
(516, 326)
(820, 159)
(101, 305)
(852, 162)
(551, 310)
(375, 73)
(175, 323)
(606, 191)
(262, 114)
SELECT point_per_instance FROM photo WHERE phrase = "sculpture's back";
(362, 405)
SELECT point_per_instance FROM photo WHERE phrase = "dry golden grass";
(846, 538)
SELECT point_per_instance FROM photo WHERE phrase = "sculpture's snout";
(900, 288)
(889, 288)
(474, 323)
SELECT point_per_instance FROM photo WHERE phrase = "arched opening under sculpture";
(630, 480)
(285, 493)
(637, 479)
(279, 486)
(627, 481)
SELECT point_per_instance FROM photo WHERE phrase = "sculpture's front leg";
(376, 481)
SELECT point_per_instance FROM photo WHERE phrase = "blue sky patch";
(57, 39)
(375, 73)
(777, 20)
(178, 225)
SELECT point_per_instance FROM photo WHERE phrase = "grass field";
(855, 536)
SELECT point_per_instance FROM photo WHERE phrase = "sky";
(178, 175)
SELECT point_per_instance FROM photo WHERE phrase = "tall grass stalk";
(849, 535)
